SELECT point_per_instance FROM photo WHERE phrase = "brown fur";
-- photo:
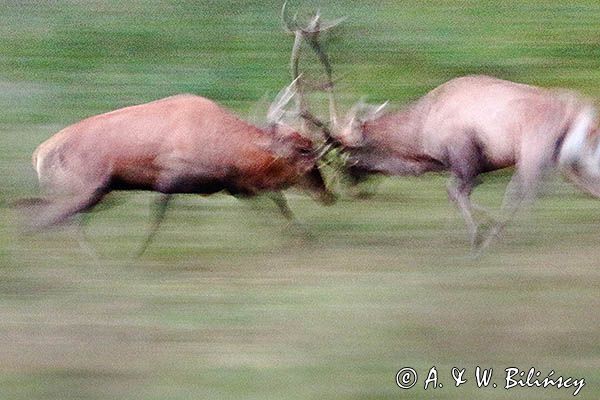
(181, 144)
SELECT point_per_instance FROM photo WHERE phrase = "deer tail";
(575, 148)
(579, 157)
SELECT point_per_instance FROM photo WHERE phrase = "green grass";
(231, 303)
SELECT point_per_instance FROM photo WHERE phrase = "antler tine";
(295, 57)
(294, 67)
(313, 40)
(330, 140)
(381, 107)
(289, 25)
(331, 24)
(315, 25)
(276, 111)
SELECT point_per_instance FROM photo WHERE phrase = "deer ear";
(361, 112)
(369, 112)
(350, 134)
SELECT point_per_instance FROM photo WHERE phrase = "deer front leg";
(279, 199)
(465, 162)
(82, 237)
(458, 192)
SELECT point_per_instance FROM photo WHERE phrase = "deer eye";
(305, 152)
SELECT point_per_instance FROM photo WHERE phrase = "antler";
(314, 26)
(311, 33)
(277, 108)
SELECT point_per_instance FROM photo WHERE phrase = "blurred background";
(231, 303)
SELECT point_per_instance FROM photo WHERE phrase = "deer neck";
(396, 144)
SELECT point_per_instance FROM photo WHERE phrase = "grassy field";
(230, 302)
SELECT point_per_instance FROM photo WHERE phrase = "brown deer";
(180, 144)
(469, 126)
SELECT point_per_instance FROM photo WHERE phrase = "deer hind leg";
(585, 174)
(522, 188)
(60, 209)
(584, 182)
(160, 209)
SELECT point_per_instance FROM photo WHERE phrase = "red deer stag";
(180, 144)
(476, 124)
(469, 126)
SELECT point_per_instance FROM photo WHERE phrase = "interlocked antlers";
(311, 33)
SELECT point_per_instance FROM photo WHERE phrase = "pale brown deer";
(180, 144)
(469, 126)
(476, 124)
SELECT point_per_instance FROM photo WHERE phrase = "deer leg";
(280, 201)
(514, 198)
(584, 181)
(57, 211)
(459, 191)
(82, 237)
(160, 208)
(521, 191)
(83, 219)
(465, 162)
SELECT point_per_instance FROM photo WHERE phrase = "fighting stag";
(469, 126)
(477, 124)
(180, 144)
